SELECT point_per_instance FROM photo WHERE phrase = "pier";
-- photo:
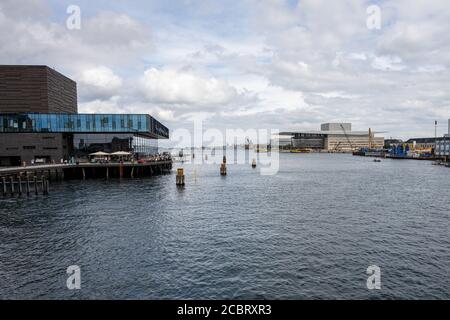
(36, 179)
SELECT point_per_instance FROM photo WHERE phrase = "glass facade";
(139, 146)
(83, 123)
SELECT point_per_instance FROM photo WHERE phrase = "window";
(29, 147)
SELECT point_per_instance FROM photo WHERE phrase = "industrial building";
(39, 121)
(422, 144)
(443, 145)
(334, 137)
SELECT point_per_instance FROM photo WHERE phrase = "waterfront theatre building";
(39, 121)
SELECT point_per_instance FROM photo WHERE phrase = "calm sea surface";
(308, 232)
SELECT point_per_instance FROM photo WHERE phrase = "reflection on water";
(310, 231)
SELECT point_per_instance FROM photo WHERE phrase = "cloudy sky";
(276, 64)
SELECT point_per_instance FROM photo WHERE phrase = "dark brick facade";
(36, 89)
(28, 146)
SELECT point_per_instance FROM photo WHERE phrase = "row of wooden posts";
(12, 185)
(180, 180)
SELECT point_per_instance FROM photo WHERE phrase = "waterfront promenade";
(93, 170)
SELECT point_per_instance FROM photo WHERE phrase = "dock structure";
(36, 179)
(23, 184)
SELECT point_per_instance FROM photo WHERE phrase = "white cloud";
(99, 83)
(115, 31)
(387, 63)
(184, 87)
(111, 105)
(276, 63)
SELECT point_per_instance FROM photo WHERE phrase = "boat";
(366, 152)
(300, 151)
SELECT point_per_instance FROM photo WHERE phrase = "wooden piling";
(180, 177)
(20, 185)
(4, 186)
(35, 185)
(28, 185)
(45, 184)
(107, 173)
(12, 186)
(223, 169)
(84, 173)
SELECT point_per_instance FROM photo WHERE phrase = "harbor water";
(308, 232)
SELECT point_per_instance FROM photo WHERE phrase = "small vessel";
(300, 151)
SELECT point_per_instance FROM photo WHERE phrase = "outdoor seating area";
(123, 156)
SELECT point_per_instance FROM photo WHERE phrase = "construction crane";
(370, 139)
(346, 135)
(337, 146)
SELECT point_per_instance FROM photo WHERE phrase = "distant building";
(39, 121)
(390, 143)
(421, 144)
(335, 137)
(443, 147)
(281, 141)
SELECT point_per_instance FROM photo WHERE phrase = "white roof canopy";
(121, 153)
(99, 154)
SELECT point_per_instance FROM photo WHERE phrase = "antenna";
(435, 129)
